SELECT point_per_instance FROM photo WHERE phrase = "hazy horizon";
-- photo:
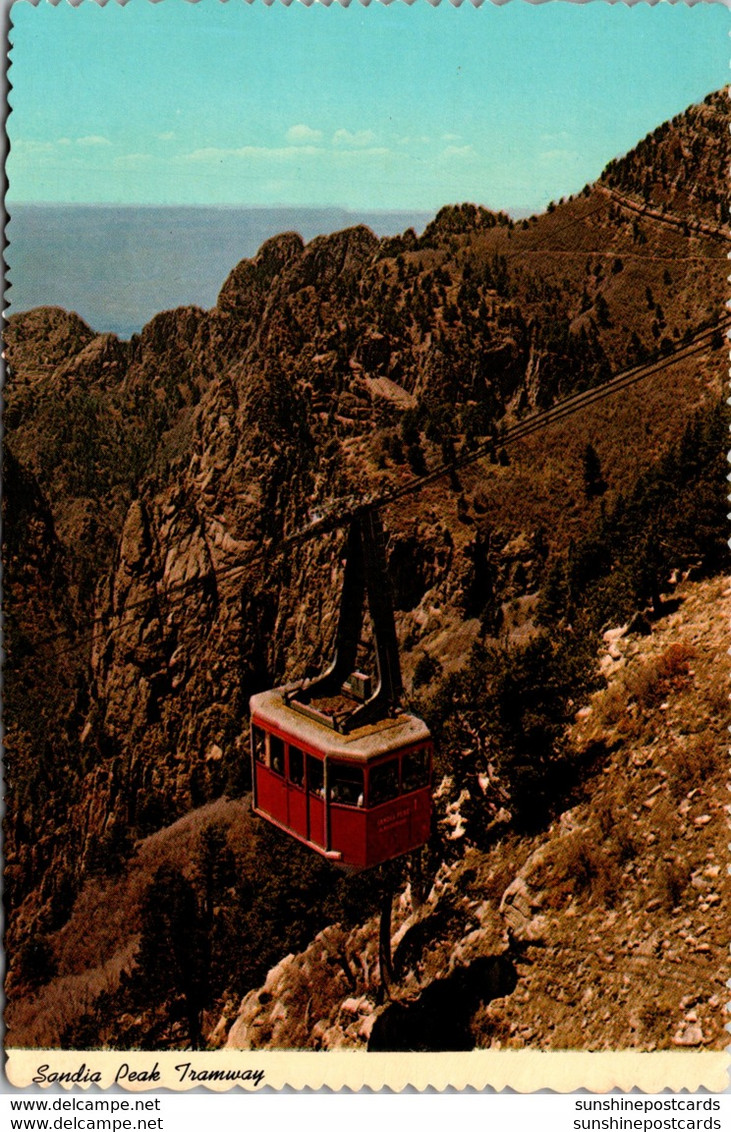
(232, 206)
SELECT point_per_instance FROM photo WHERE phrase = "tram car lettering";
(393, 819)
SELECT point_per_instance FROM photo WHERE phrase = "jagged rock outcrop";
(43, 339)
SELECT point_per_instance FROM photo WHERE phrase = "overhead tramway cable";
(519, 431)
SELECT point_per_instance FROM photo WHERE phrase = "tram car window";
(415, 771)
(276, 754)
(315, 775)
(383, 783)
(346, 784)
(258, 745)
(296, 766)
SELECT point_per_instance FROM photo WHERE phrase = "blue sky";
(381, 107)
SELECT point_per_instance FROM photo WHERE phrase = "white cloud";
(35, 148)
(559, 138)
(214, 154)
(132, 160)
(350, 156)
(557, 156)
(31, 153)
(459, 151)
(302, 134)
(167, 136)
(358, 139)
(31, 146)
(93, 139)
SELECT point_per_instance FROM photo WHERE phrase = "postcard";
(365, 546)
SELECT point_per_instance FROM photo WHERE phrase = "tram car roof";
(362, 744)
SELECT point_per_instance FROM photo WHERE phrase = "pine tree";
(594, 482)
(172, 961)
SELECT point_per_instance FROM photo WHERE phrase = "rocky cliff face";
(160, 476)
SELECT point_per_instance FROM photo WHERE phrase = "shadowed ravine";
(439, 1020)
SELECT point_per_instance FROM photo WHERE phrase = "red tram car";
(336, 764)
(357, 799)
